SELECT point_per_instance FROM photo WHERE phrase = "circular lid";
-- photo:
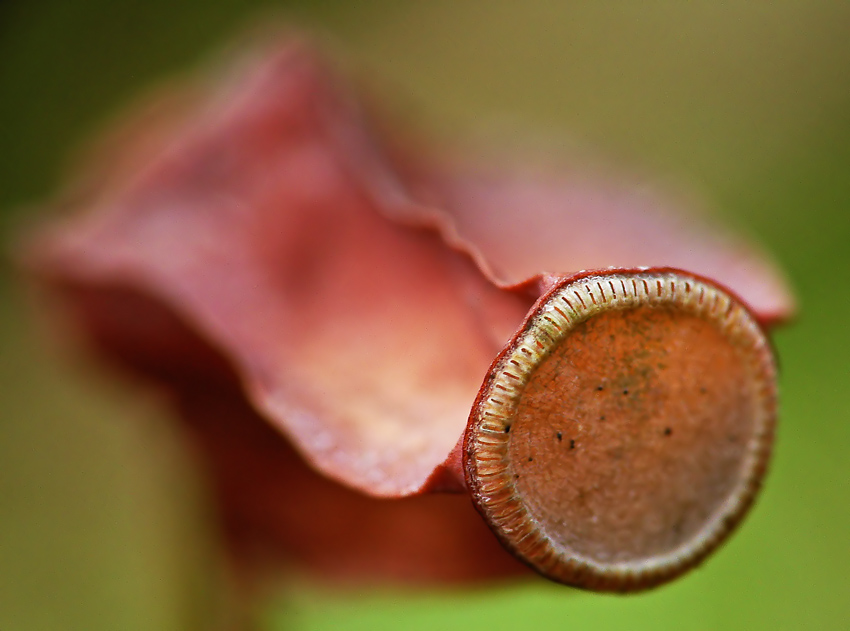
(625, 430)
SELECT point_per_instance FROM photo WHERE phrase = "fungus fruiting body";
(348, 297)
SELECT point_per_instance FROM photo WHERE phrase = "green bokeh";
(102, 520)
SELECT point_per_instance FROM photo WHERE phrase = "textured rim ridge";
(489, 470)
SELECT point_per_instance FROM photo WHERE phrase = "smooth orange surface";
(632, 433)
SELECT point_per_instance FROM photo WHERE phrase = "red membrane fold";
(324, 315)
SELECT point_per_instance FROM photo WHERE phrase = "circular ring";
(625, 430)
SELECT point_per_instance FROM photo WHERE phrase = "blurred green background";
(102, 518)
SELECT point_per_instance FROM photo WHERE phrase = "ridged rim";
(489, 471)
